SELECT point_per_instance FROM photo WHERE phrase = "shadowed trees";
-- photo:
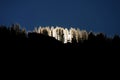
(14, 36)
(19, 47)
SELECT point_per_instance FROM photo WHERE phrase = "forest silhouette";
(31, 49)
(15, 38)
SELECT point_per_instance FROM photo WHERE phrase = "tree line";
(14, 36)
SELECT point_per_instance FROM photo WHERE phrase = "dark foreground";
(36, 52)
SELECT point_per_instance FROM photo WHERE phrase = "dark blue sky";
(91, 15)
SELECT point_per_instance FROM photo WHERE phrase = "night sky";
(91, 15)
